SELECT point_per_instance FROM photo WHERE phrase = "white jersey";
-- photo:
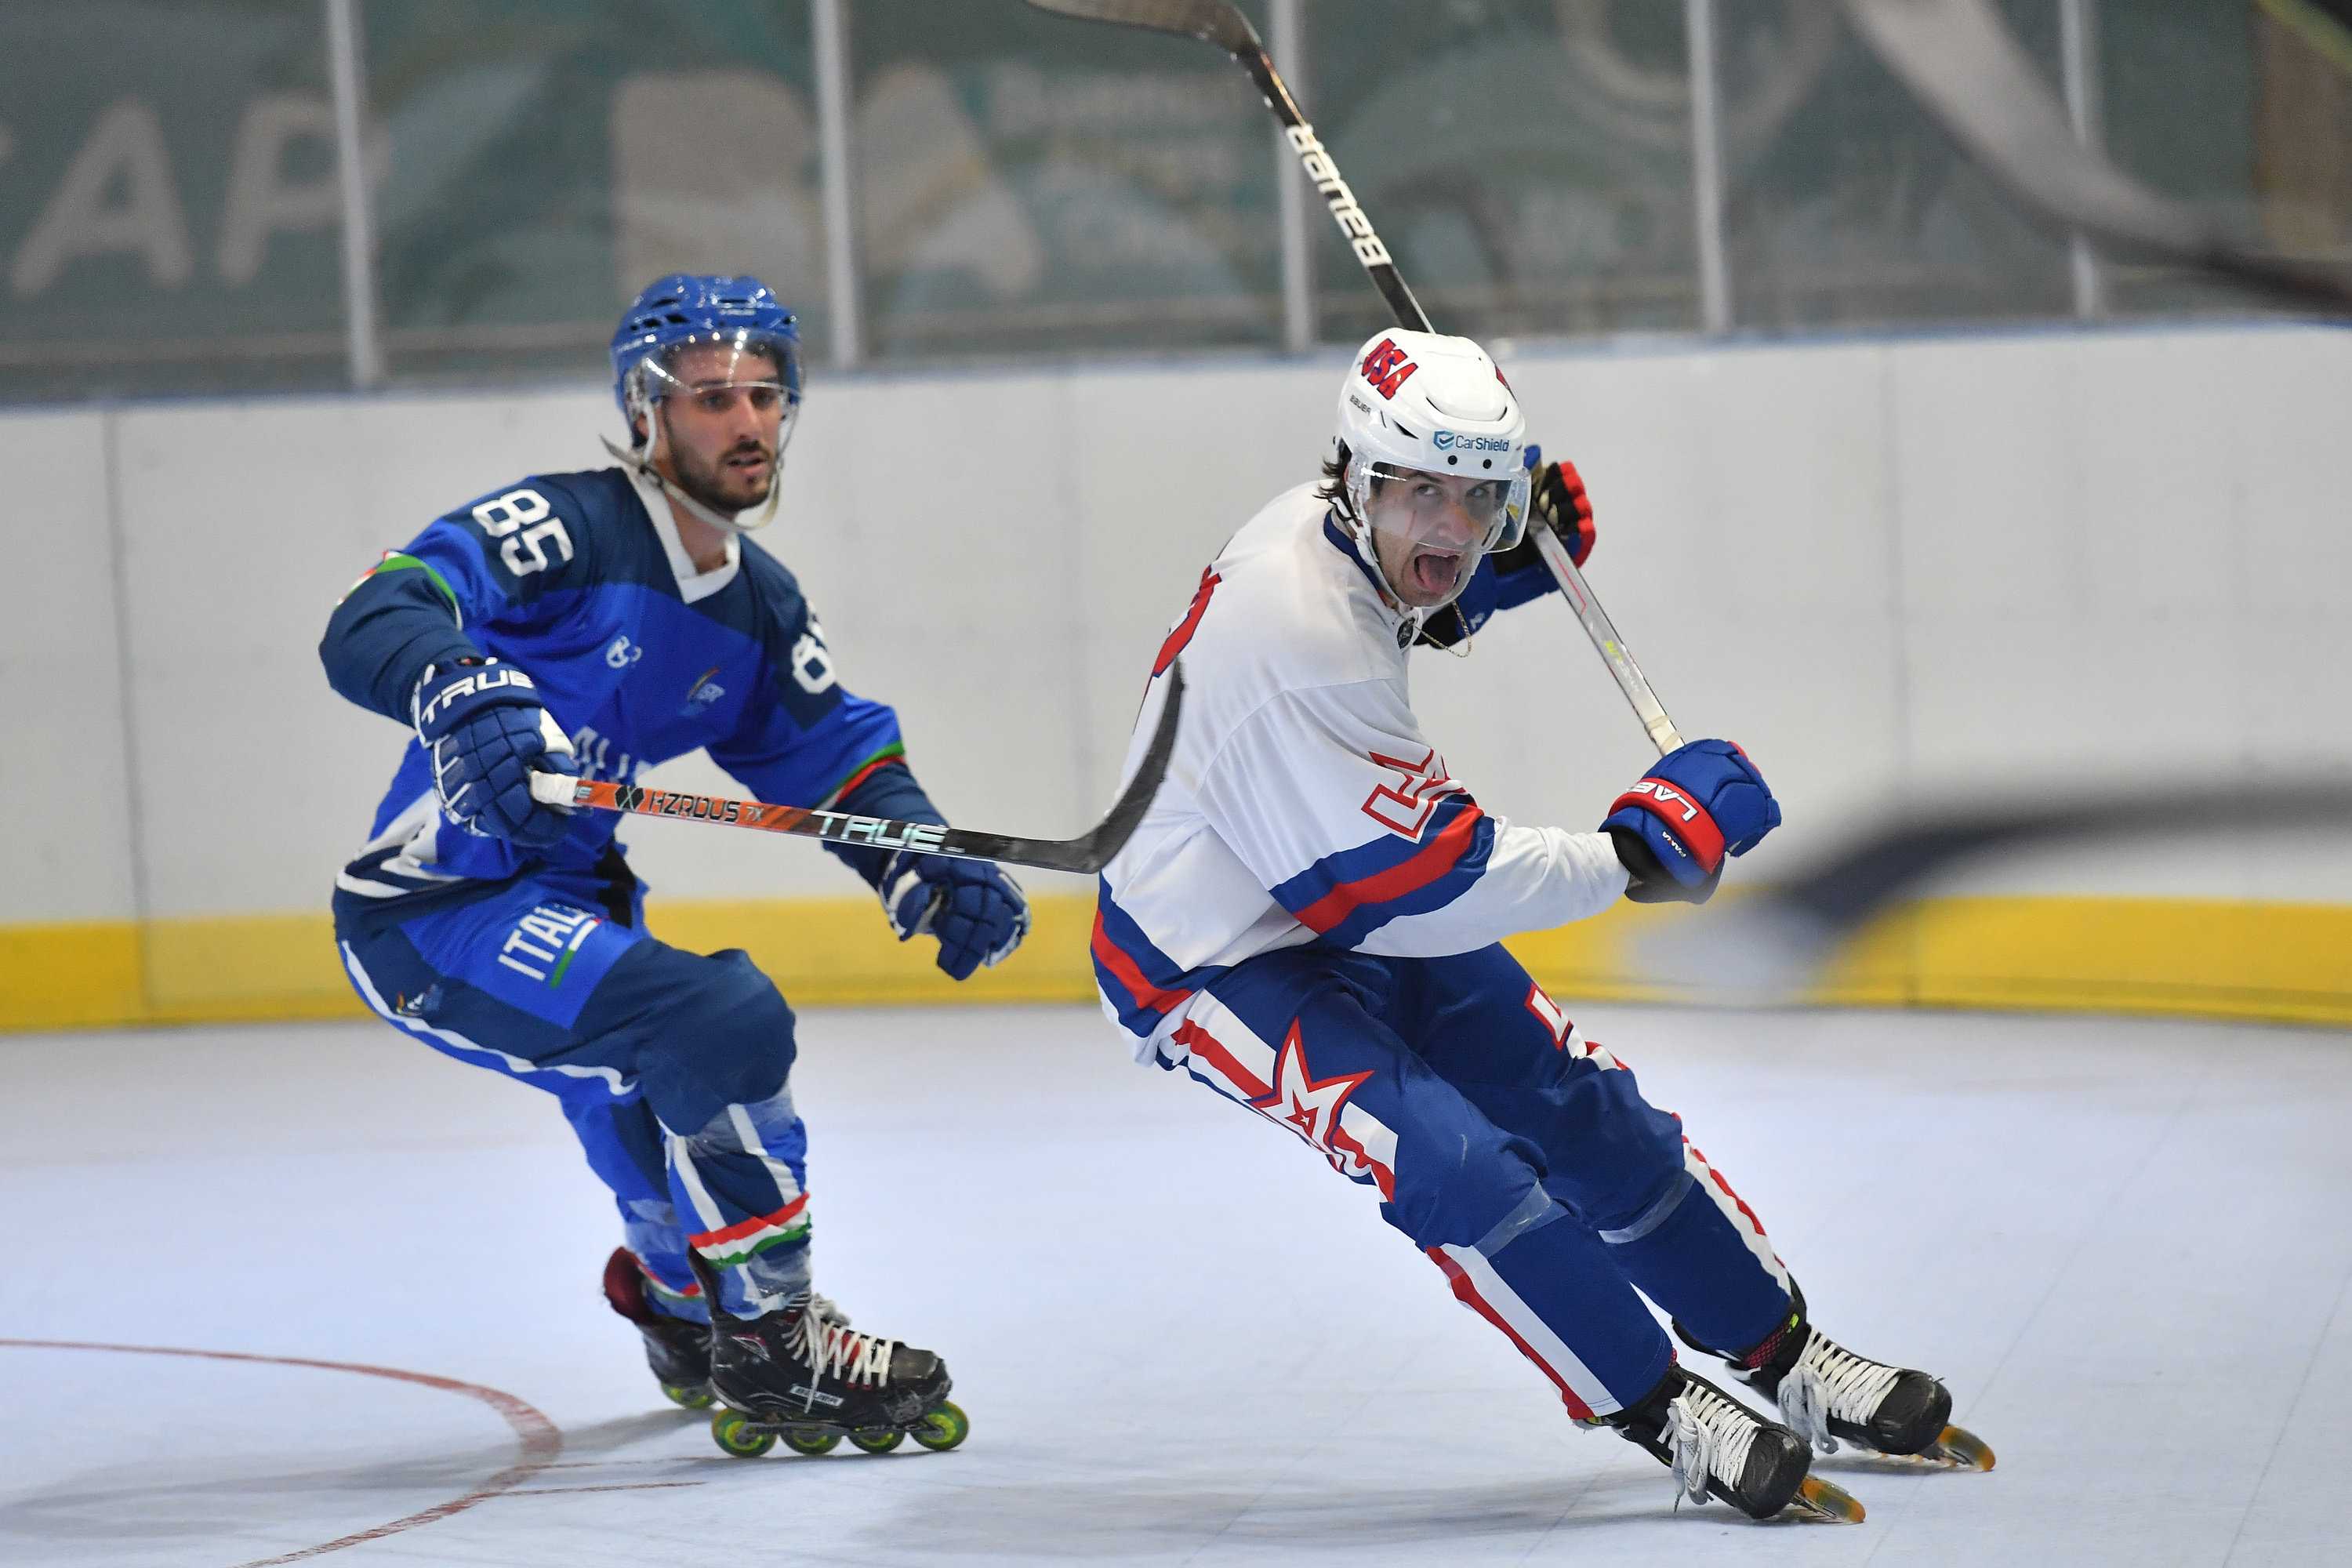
(1301, 803)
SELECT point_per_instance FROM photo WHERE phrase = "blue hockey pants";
(672, 1069)
(1520, 1157)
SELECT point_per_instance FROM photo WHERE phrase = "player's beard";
(713, 483)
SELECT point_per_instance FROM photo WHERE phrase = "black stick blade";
(1214, 22)
(1111, 837)
(1090, 854)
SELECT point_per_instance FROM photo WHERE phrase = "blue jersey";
(567, 576)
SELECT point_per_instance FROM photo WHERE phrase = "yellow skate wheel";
(1826, 1500)
(943, 1427)
(734, 1433)
(877, 1440)
(694, 1397)
(810, 1440)
(1959, 1446)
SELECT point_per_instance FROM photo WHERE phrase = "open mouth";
(1432, 572)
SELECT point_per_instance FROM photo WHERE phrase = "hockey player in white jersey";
(1309, 921)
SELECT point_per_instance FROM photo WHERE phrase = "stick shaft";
(1221, 24)
(1323, 173)
(1374, 255)
(1086, 855)
(799, 821)
(637, 800)
(1604, 633)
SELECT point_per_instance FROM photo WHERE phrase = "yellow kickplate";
(2199, 958)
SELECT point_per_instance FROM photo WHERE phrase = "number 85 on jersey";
(525, 521)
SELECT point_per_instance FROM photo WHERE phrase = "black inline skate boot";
(1716, 1445)
(801, 1373)
(678, 1349)
(1826, 1393)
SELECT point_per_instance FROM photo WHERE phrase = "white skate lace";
(1827, 1382)
(1707, 1434)
(832, 1348)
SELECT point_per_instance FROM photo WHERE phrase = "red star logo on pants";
(1311, 1108)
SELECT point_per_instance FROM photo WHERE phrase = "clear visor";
(1430, 530)
(721, 374)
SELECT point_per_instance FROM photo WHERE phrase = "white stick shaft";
(1605, 641)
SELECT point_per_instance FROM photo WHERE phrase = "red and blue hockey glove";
(1702, 802)
(975, 909)
(488, 732)
(1560, 503)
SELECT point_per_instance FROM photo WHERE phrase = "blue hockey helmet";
(682, 311)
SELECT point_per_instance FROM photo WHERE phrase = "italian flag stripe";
(896, 752)
(394, 561)
(743, 1240)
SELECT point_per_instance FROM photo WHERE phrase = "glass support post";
(1288, 47)
(362, 334)
(1706, 165)
(829, 23)
(2078, 46)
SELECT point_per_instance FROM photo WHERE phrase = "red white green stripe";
(394, 561)
(896, 752)
(748, 1238)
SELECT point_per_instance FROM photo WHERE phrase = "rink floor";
(1181, 1338)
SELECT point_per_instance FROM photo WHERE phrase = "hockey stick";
(1086, 855)
(1968, 71)
(1772, 945)
(1218, 22)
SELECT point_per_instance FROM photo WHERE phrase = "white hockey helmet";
(1436, 455)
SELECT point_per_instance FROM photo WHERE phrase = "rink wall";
(1899, 571)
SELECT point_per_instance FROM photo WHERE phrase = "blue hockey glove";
(488, 732)
(1702, 802)
(975, 909)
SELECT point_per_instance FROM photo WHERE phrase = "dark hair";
(1335, 471)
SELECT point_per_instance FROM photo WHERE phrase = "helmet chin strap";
(642, 467)
(1361, 533)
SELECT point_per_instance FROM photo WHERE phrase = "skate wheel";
(1817, 1499)
(690, 1396)
(1959, 1446)
(943, 1427)
(880, 1440)
(734, 1433)
(810, 1440)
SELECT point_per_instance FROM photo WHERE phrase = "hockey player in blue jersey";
(596, 624)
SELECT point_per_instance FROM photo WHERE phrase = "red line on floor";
(541, 1442)
(617, 1487)
(600, 1464)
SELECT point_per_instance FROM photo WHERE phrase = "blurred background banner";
(168, 200)
(1028, 186)
(1916, 497)
(1529, 163)
(1011, 183)
(544, 158)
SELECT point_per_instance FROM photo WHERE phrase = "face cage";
(1508, 528)
(651, 379)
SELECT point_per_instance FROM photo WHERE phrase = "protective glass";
(1430, 530)
(757, 368)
